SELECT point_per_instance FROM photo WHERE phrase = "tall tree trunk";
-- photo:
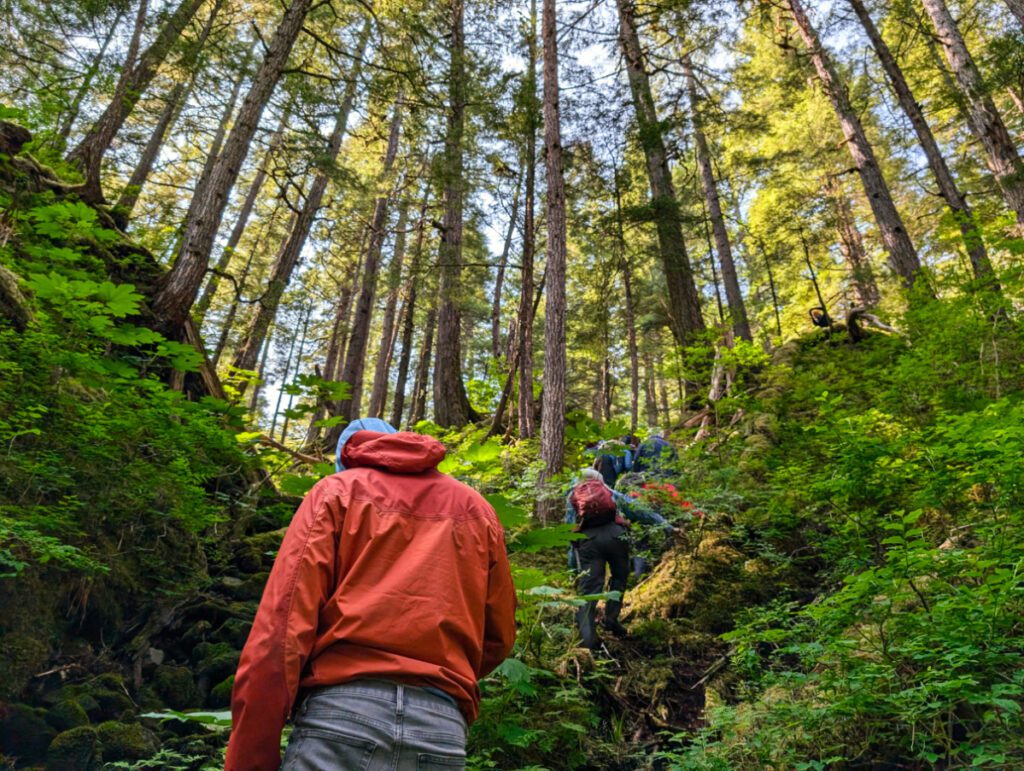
(419, 391)
(287, 258)
(499, 280)
(771, 286)
(451, 404)
(524, 324)
(733, 293)
(902, 254)
(627, 286)
(174, 102)
(852, 247)
(229, 319)
(355, 357)
(683, 301)
(936, 162)
(90, 74)
(174, 298)
(650, 398)
(241, 221)
(284, 382)
(334, 358)
(298, 368)
(379, 393)
(985, 121)
(254, 398)
(552, 428)
(409, 316)
(135, 78)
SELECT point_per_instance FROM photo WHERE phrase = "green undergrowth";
(889, 472)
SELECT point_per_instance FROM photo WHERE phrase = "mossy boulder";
(215, 661)
(21, 656)
(234, 632)
(247, 557)
(220, 694)
(176, 687)
(75, 750)
(24, 732)
(126, 741)
(110, 694)
(66, 714)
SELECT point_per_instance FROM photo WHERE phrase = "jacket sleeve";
(282, 635)
(500, 613)
(636, 512)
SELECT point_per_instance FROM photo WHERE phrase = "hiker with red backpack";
(595, 510)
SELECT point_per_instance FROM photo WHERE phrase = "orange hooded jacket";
(388, 570)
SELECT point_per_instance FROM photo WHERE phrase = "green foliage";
(893, 471)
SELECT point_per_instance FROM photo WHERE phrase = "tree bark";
(287, 258)
(135, 78)
(499, 280)
(733, 293)
(358, 341)
(174, 298)
(627, 286)
(685, 317)
(379, 393)
(525, 411)
(451, 404)
(552, 429)
(984, 119)
(650, 398)
(409, 316)
(419, 392)
(254, 398)
(241, 221)
(298, 368)
(936, 162)
(229, 319)
(902, 254)
(852, 247)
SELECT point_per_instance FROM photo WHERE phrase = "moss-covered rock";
(66, 714)
(234, 632)
(220, 694)
(176, 687)
(110, 694)
(21, 656)
(126, 741)
(215, 661)
(24, 732)
(75, 750)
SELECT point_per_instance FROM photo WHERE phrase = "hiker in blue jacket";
(653, 454)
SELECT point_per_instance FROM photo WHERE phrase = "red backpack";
(593, 503)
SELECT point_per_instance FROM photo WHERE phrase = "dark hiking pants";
(605, 547)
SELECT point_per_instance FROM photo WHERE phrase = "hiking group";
(603, 515)
(391, 597)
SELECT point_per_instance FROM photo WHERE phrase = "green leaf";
(511, 517)
(293, 484)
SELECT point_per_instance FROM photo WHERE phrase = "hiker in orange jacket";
(391, 596)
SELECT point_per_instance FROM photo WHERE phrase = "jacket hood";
(362, 424)
(402, 452)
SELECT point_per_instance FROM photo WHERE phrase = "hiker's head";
(362, 424)
(590, 473)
